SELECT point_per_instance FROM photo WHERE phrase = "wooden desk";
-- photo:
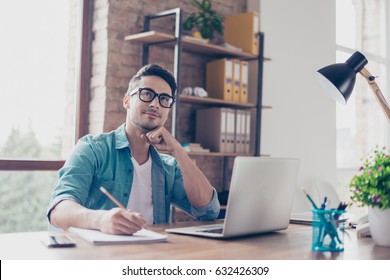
(293, 243)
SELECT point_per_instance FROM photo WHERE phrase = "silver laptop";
(260, 198)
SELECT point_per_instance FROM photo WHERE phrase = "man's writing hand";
(121, 221)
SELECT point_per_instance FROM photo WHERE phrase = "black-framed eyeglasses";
(148, 95)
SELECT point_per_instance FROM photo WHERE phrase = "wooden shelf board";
(188, 44)
(150, 37)
(215, 101)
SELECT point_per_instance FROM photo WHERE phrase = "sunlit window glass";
(361, 125)
(39, 69)
(37, 80)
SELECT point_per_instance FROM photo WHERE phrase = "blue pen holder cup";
(328, 230)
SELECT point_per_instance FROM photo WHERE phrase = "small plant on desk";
(371, 187)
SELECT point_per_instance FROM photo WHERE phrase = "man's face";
(147, 115)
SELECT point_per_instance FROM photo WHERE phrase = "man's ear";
(126, 102)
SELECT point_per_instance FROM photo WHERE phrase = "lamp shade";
(338, 79)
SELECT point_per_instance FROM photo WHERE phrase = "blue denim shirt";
(105, 160)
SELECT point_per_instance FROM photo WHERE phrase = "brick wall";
(115, 61)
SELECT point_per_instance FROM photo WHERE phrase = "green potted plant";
(371, 188)
(205, 21)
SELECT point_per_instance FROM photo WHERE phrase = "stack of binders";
(227, 79)
(224, 130)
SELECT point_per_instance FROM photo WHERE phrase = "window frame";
(386, 62)
(82, 98)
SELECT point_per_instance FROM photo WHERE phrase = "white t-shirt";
(140, 199)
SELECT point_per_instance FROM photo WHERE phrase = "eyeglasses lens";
(164, 99)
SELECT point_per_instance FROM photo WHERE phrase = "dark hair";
(154, 70)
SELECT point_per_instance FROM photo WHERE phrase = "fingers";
(161, 139)
(135, 218)
(125, 229)
(156, 136)
(122, 221)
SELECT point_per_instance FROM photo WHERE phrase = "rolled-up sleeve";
(209, 211)
(74, 178)
(180, 199)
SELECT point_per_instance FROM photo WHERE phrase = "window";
(361, 125)
(44, 72)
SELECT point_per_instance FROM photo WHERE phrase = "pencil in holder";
(328, 230)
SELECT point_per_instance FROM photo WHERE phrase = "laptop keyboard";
(216, 230)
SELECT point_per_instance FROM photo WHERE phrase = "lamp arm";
(377, 92)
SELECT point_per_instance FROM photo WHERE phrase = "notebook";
(100, 238)
(260, 198)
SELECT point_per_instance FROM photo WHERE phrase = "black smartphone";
(60, 241)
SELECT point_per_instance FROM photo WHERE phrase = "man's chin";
(147, 128)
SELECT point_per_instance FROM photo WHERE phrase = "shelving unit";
(188, 44)
(184, 43)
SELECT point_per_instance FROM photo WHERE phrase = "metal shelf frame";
(178, 13)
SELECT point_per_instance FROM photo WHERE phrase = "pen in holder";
(328, 230)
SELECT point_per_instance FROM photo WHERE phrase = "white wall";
(300, 39)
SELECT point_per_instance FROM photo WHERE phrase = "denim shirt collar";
(121, 142)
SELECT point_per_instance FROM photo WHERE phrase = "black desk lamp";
(339, 79)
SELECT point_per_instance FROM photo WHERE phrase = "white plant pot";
(379, 225)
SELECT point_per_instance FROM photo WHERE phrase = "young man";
(127, 163)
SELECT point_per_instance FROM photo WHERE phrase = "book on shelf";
(230, 130)
(241, 30)
(236, 80)
(243, 81)
(247, 137)
(219, 79)
(194, 147)
(240, 132)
